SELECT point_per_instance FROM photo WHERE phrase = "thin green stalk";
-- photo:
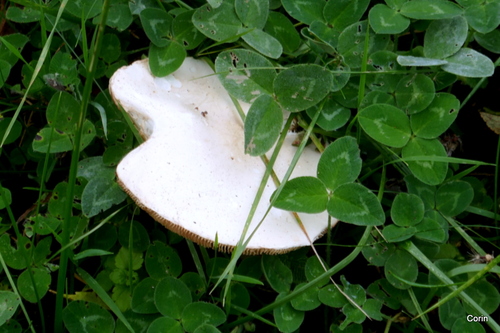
(197, 261)
(38, 67)
(419, 309)
(240, 247)
(14, 289)
(338, 267)
(415, 252)
(103, 295)
(464, 235)
(91, 68)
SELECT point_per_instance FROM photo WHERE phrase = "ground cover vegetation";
(394, 87)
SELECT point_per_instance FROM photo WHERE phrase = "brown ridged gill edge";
(225, 248)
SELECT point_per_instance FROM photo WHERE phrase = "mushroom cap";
(191, 173)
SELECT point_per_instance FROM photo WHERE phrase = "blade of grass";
(92, 283)
(14, 289)
(415, 251)
(38, 67)
(91, 68)
(197, 261)
(416, 303)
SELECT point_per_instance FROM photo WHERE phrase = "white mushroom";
(191, 173)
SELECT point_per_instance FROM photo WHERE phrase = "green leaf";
(386, 123)
(484, 17)
(14, 133)
(454, 197)
(206, 328)
(428, 171)
(100, 194)
(86, 317)
(280, 27)
(167, 59)
(342, 13)
(462, 325)
(490, 41)
(425, 192)
(469, 63)
(403, 265)
(119, 17)
(377, 97)
(419, 61)
(85, 9)
(59, 142)
(393, 233)
(165, 324)
(4, 73)
(157, 25)
(277, 274)
(124, 259)
(185, 32)
(63, 67)
(437, 117)
(332, 116)
(414, 93)
(331, 296)
(302, 86)
(376, 253)
(486, 296)
(9, 302)
(429, 229)
(307, 300)
(262, 125)
(252, 13)
(385, 20)
(352, 43)
(140, 237)
(305, 11)
(194, 282)
(430, 9)
(325, 33)
(45, 225)
(111, 48)
(264, 43)
(340, 71)
(11, 47)
(354, 203)
(444, 38)
(450, 311)
(62, 112)
(238, 73)
(407, 210)
(41, 281)
(23, 15)
(313, 269)
(171, 297)
(340, 163)
(93, 167)
(143, 296)
(219, 24)
(200, 313)
(137, 6)
(88, 134)
(303, 194)
(286, 317)
(16, 258)
(162, 260)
